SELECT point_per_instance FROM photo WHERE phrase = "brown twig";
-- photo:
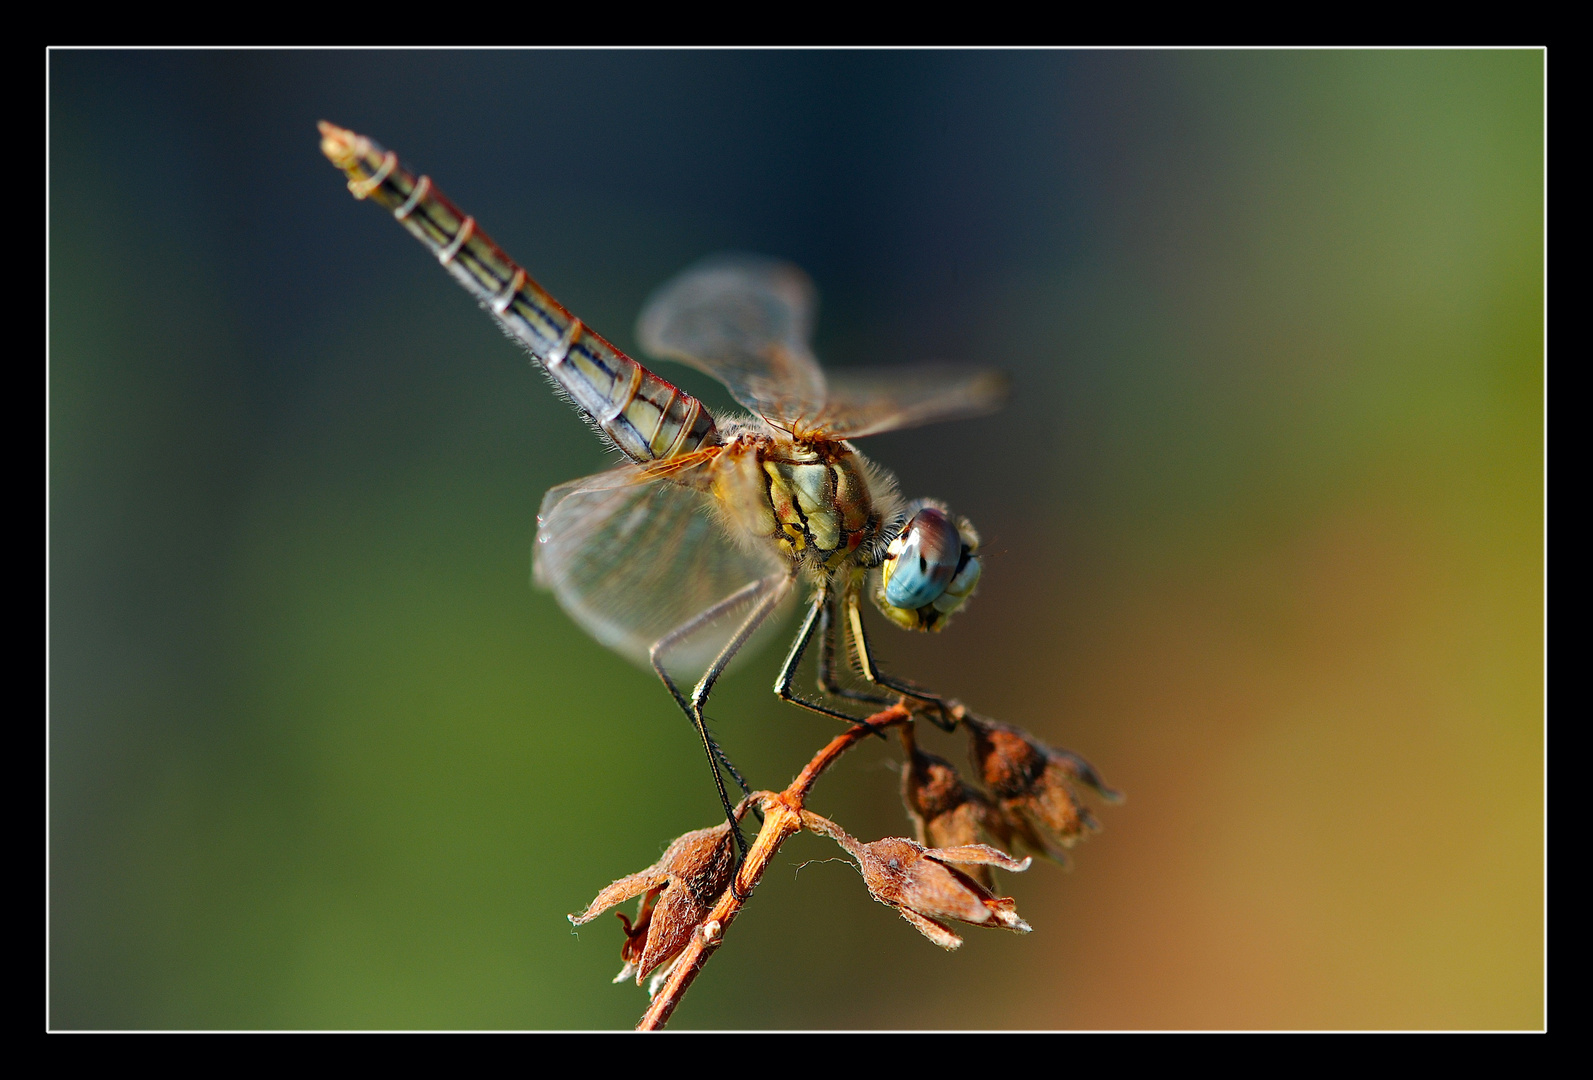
(782, 817)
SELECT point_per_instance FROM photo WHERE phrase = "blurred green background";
(1265, 514)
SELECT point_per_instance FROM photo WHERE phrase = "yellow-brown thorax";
(811, 499)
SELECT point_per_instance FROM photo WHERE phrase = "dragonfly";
(677, 556)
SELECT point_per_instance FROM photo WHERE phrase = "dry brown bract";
(946, 811)
(925, 885)
(1033, 786)
(695, 891)
(680, 888)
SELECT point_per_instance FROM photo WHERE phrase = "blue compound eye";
(922, 560)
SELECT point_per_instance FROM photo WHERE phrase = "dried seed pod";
(680, 889)
(946, 811)
(1034, 786)
(925, 885)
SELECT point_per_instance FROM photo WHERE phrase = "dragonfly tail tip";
(337, 143)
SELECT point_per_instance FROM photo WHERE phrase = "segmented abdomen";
(648, 418)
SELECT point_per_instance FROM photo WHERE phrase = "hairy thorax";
(820, 503)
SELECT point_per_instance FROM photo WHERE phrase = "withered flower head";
(946, 811)
(1034, 786)
(680, 889)
(925, 885)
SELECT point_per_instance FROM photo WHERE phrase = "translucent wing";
(746, 321)
(887, 399)
(631, 557)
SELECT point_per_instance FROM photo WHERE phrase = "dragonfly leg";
(663, 645)
(818, 616)
(717, 758)
(827, 680)
(765, 593)
(776, 586)
(871, 672)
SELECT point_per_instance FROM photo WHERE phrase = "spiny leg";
(772, 588)
(777, 586)
(865, 659)
(818, 614)
(826, 676)
(681, 633)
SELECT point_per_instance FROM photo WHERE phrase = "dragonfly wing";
(746, 321)
(631, 557)
(888, 399)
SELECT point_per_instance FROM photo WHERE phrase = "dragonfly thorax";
(820, 503)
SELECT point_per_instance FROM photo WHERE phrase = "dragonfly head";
(929, 570)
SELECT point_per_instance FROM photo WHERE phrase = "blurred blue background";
(1265, 516)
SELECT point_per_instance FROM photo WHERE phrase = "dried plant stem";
(782, 816)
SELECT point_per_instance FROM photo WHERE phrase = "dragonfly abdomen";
(647, 417)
